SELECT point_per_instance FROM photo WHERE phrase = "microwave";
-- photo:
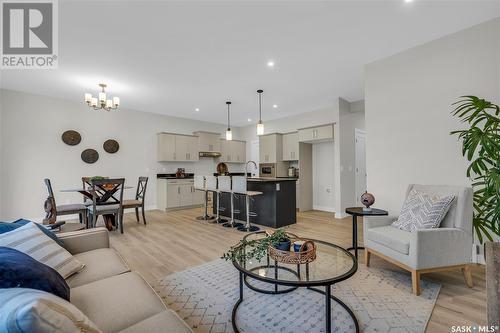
(272, 170)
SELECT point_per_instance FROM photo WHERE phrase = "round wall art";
(90, 156)
(71, 137)
(111, 146)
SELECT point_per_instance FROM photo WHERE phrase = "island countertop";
(271, 179)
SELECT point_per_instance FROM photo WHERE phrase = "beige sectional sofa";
(109, 294)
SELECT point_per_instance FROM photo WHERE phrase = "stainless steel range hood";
(209, 154)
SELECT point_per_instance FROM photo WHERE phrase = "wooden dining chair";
(139, 199)
(107, 200)
(67, 209)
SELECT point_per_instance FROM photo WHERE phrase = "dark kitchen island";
(275, 208)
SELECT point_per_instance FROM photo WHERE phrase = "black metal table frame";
(355, 215)
(245, 273)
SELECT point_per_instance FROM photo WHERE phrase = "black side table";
(355, 212)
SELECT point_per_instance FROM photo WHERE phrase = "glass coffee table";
(332, 264)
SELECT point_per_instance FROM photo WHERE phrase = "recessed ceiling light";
(275, 106)
(249, 120)
(270, 63)
(407, 1)
(197, 109)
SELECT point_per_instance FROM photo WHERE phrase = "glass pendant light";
(260, 125)
(229, 134)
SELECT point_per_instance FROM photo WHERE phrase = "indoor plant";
(481, 147)
(257, 248)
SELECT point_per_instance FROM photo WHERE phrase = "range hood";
(209, 154)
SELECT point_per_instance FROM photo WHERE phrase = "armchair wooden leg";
(415, 281)
(467, 276)
(367, 257)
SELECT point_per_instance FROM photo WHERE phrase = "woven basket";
(306, 254)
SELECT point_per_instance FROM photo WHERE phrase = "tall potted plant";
(481, 147)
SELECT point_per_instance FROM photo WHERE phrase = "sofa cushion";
(166, 321)
(24, 310)
(30, 240)
(393, 238)
(117, 302)
(19, 270)
(9, 226)
(99, 264)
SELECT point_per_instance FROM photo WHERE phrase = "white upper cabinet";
(233, 151)
(271, 148)
(208, 142)
(316, 134)
(177, 147)
(291, 146)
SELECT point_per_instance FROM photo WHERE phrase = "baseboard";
(324, 208)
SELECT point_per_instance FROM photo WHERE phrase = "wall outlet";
(329, 189)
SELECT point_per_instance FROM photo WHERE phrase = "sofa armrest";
(440, 247)
(370, 222)
(85, 240)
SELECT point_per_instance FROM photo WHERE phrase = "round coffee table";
(333, 264)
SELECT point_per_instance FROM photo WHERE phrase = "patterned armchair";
(427, 250)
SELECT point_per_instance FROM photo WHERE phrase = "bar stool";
(211, 185)
(240, 187)
(224, 186)
(199, 185)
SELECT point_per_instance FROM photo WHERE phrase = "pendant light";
(229, 134)
(260, 125)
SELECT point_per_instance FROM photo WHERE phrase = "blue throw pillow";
(19, 270)
(9, 226)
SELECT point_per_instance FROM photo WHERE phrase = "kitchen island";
(275, 207)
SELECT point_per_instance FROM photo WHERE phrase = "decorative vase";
(367, 199)
(284, 245)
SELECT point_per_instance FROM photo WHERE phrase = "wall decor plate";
(71, 137)
(111, 146)
(90, 156)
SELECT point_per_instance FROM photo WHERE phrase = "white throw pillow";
(422, 211)
(31, 240)
(25, 310)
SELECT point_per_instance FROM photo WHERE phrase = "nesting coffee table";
(333, 264)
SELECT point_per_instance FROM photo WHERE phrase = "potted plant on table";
(257, 248)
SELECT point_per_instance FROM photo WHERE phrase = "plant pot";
(284, 245)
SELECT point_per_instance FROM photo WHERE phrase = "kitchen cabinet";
(178, 193)
(208, 141)
(316, 134)
(177, 147)
(233, 151)
(271, 148)
(291, 146)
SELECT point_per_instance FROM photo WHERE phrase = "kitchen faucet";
(246, 167)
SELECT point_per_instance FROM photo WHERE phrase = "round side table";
(359, 211)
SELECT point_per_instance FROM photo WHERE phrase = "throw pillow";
(9, 226)
(27, 310)
(19, 270)
(423, 211)
(30, 240)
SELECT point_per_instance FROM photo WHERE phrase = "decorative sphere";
(367, 199)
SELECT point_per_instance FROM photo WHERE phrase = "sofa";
(109, 294)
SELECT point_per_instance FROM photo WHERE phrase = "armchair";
(427, 250)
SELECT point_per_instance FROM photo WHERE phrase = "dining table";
(103, 196)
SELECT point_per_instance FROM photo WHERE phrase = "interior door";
(360, 162)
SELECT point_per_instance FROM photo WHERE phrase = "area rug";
(381, 299)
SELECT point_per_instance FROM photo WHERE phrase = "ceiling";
(174, 57)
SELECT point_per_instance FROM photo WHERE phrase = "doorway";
(360, 164)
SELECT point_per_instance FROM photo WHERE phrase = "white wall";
(408, 100)
(31, 128)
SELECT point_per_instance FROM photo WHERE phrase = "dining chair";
(139, 199)
(107, 200)
(68, 209)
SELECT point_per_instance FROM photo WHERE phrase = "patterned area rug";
(381, 299)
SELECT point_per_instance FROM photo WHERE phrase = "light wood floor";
(174, 241)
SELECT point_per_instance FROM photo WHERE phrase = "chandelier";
(100, 102)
